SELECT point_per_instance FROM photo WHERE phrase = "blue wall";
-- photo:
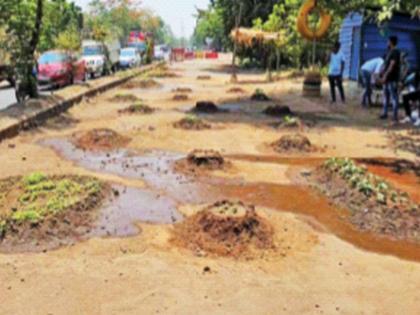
(373, 41)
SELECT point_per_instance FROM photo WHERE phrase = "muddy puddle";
(155, 168)
(118, 217)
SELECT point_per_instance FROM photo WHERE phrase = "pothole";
(225, 228)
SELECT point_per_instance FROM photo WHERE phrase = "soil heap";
(141, 84)
(137, 108)
(225, 229)
(124, 98)
(293, 143)
(180, 97)
(100, 139)
(205, 107)
(192, 123)
(278, 111)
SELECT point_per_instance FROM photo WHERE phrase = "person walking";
(335, 73)
(390, 77)
(370, 71)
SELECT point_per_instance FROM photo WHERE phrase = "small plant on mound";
(36, 197)
(358, 178)
(192, 122)
(374, 204)
(138, 108)
(225, 229)
(290, 143)
(124, 97)
(259, 95)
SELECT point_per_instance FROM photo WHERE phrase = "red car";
(59, 68)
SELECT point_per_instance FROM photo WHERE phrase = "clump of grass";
(39, 196)
(357, 177)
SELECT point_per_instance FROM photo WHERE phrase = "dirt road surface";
(321, 265)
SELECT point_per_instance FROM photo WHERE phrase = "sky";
(177, 13)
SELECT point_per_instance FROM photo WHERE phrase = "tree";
(209, 25)
(23, 20)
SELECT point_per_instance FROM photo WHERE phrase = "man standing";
(371, 70)
(335, 74)
(390, 78)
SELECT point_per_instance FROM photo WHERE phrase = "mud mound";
(235, 90)
(293, 143)
(124, 98)
(225, 229)
(182, 90)
(205, 107)
(374, 204)
(180, 97)
(192, 123)
(259, 95)
(41, 212)
(278, 111)
(141, 84)
(100, 139)
(204, 77)
(138, 108)
(162, 72)
(201, 161)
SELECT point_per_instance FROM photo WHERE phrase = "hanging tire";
(302, 22)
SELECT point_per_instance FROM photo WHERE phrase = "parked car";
(162, 52)
(59, 68)
(101, 58)
(129, 58)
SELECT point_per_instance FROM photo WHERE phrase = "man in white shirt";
(370, 71)
(335, 73)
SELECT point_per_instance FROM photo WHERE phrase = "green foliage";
(43, 196)
(366, 183)
(69, 39)
(209, 26)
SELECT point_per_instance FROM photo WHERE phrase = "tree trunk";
(31, 84)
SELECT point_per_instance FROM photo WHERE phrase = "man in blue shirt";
(335, 73)
(370, 71)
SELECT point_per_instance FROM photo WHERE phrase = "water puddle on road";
(167, 188)
(129, 205)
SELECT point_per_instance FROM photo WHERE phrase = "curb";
(36, 119)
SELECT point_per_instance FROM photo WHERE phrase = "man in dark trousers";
(335, 72)
(390, 78)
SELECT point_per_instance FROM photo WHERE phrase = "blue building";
(362, 39)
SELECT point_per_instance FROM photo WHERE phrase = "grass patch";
(35, 197)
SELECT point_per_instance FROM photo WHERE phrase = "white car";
(129, 58)
(162, 52)
(100, 58)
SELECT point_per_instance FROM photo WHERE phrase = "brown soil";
(137, 109)
(278, 111)
(201, 160)
(182, 90)
(409, 143)
(398, 166)
(124, 98)
(192, 124)
(180, 97)
(203, 77)
(225, 229)
(236, 90)
(396, 220)
(99, 139)
(205, 107)
(293, 143)
(141, 84)
(65, 228)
